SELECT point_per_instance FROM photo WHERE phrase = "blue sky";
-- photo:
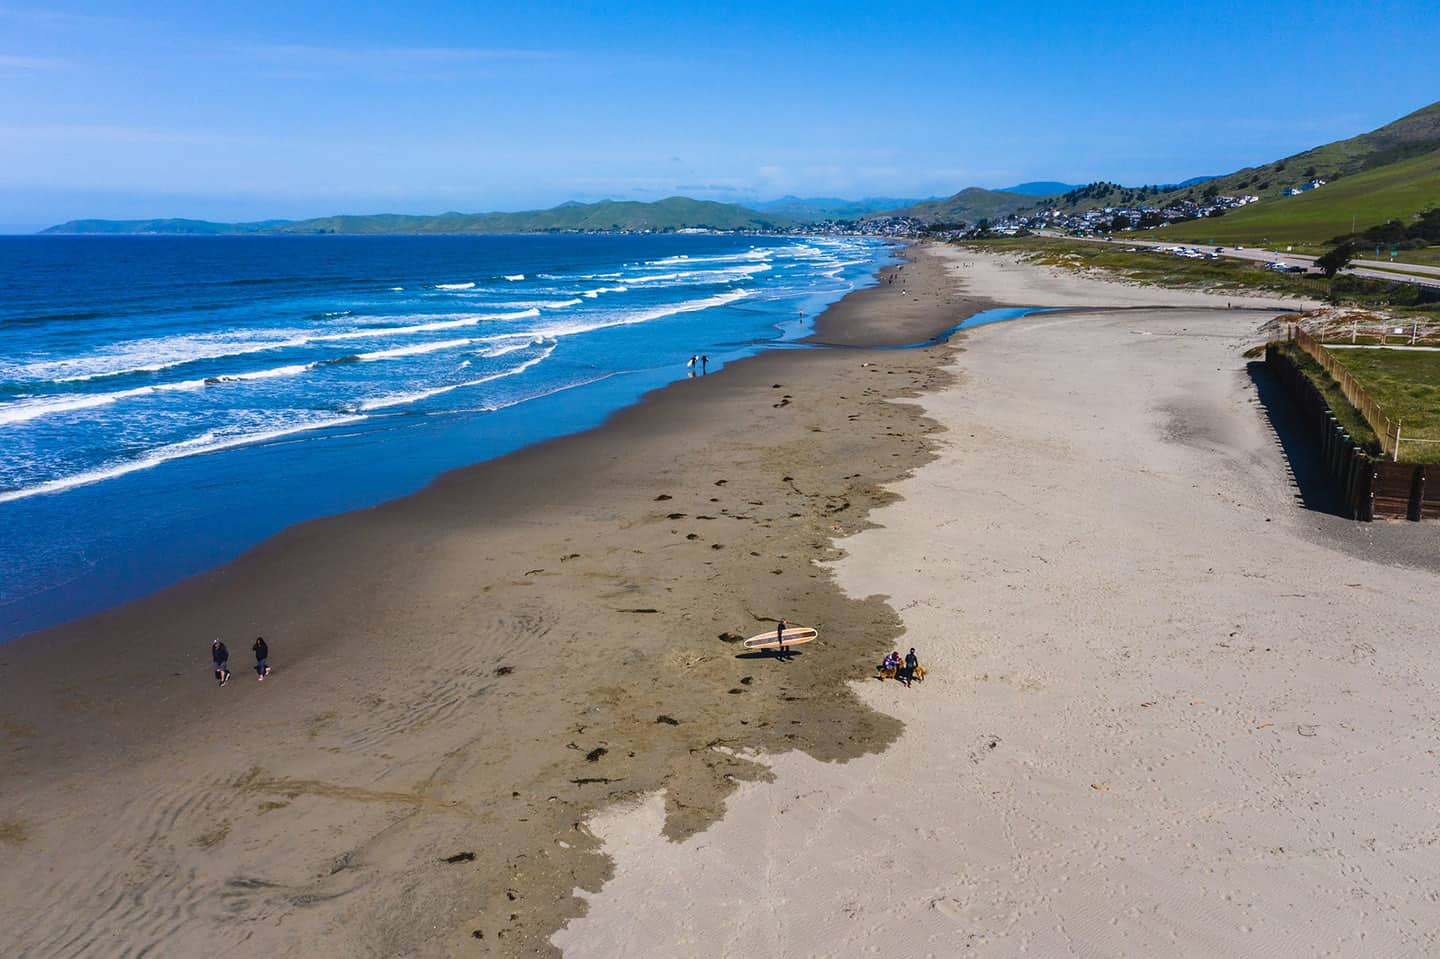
(261, 109)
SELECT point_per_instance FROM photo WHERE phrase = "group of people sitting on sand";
(905, 670)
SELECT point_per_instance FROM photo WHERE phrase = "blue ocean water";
(166, 402)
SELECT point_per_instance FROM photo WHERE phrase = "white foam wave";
(718, 258)
(208, 442)
(27, 410)
(603, 321)
(515, 277)
(31, 409)
(404, 399)
(293, 370)
(414, 350)
(703, 276)
(530, 341)
(163, 353)
(454, 286)
(535, 304)
(592, 294)
(461, 320)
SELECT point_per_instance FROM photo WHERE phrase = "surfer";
(704, 364)
(262, 653)
(911, 662)
(780, 638)
(220, 656)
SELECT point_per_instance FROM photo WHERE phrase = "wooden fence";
(1385, 428)
(1368, 488)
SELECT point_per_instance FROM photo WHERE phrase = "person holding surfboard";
(780, 638)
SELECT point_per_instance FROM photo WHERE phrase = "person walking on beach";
(220, 656)
(704, 364)
(262, 653)
(911, 662)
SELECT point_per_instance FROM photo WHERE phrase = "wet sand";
(1170, 711)
(463, 677)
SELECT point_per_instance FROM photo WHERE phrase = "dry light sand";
(1170, 712)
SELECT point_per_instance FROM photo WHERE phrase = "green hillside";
(969, 205)
(607, 216)
(1393, 191)
(1406, 138)
(179, 227)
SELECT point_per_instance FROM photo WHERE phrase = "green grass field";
(1159, 269)
(1430, 256)
(1345, 414)
(1407, 387)
(1396, 191)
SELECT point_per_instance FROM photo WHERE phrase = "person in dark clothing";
(220, 656)
(780, 638)
(911, 661)
(704, 364)
(262, 653)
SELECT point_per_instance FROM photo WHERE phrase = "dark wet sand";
(469, 670)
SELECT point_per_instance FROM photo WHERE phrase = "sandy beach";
(1169, 710)
(468, 674)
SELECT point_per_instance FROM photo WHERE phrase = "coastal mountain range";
(1393, 171)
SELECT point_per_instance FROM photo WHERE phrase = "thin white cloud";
(103, 133)
(9, 61)
(301, 55)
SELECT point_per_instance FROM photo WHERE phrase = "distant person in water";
(220, 656)
(262, 653)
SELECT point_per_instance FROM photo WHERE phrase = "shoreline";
(101, 539)
(1145, 703)
(497, 629)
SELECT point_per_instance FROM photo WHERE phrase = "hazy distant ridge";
(607, 216)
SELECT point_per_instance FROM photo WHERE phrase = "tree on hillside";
(1337, 259)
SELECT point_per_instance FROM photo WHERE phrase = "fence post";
(1395, 456)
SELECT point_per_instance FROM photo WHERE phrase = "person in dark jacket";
(262, 653)
(220, 656)
(911, 661)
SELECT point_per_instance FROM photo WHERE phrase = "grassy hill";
(172, 226)
(1393, 191)
(969, 205)
(1408, 137)
(607, 216)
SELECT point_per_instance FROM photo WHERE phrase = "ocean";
(167, 402)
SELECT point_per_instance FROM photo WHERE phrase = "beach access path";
(1169, 711)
